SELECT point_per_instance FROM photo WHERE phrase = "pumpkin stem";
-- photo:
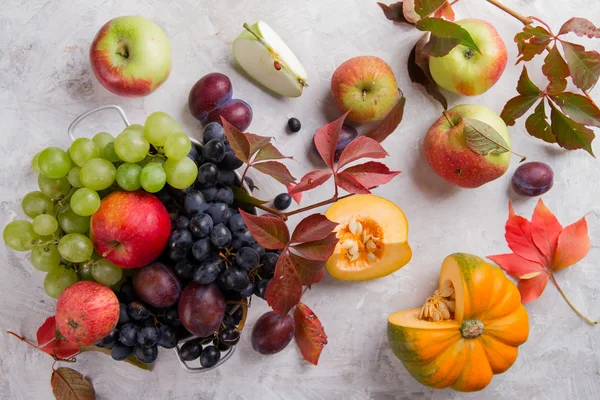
(471, 329)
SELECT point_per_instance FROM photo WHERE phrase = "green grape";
(75, 247)
(97, 174)
(45, 225)
(71, 222)
(85, 202)
(58, 279)
(83, 150)
(85, 272)
(153, 177)
(54, 162)
(36, 203)
(73, 177)
(102, 139)
(56, 189)
(110, 154)
(159, 126)
(131, 146)
(136, 128)
(19, 235)
(34, 164)
(181, 174)
(128, 176)
(106, 273)
(177, 146)
(44, 258)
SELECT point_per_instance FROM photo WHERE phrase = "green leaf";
(414, 10)
(68, 384)
(583, 65)
(579, 108)
(242, 196)
(531, 42)
(516, 107)
(537, 124)
(445, 36)
(569, 134)
(482, 138)
(580, 27)
(556, 70)
(131, 360)
(525, 86)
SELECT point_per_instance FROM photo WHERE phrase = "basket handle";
(76, 121)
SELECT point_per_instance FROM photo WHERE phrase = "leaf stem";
(273, 211)
(244, 175)
(322, 203)
(454, 2)
(22, 339)
(541, 21)
(524, 20)
(586, 319)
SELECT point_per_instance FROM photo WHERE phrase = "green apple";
(467, 72)
(265, 57)
(448, 153)
(366, 86)
(131, 56)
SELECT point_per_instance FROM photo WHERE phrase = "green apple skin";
(366, 85)
(447, 152)
(467, 72)
(131, 56)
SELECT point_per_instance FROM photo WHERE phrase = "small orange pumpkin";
(466, 332)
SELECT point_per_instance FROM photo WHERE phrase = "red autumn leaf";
(312, 180)
(270, 232)
(285, 288)
(46, 332)
(309, 271)
(319, 250)
(390, 122)
(309, 333)
(531, 42)
(445, 11)
(256, 142)
(580, 27)
(313, 227)
(393, 12)
(533, 288)
(238, 141)
(51, 342)
(326, 139)
(68, 384)
(518, 266)
(371, 174)
(269, 152)
(573, 245)
(518, 236)
(350, 184)
(277, 171)
(555, 68)
(583, 65)
(545, 230)
(361, 147)
(296, 196)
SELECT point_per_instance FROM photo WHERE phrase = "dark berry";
(171, 317)
(294, 124)
(229, 336)
(282, 201)
(220, 236)
(245, 236)
(249, 290)
(237, 315)
(260, 288)
(201, 225)
(167, 337)
(194, 203)
(208, 174)
(123, 316)
(230, 162)
(184, 269)
(201, 249)
(226, 177)
(128, 334)
(259, 249)
(236, 222)
(223, 283)
(237, 244)
(269, 262)
(219, 212)
(147, 336)
(181, 238)
(213, 130)
(145, 355)
(110, 339)
(236, 278)
(137, 311)
(190, 350)
(214, 151)
(127, 292)
(210, 194)
(181, 222)
(177, 254)
(247, 257)
(206, 273)
(221, 346)
(193, 154)
(210, 356)
(225, 195)
(121, 352)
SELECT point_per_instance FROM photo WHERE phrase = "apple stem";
(445, 114)
(247, 27)
(586, 319)
(364, 95)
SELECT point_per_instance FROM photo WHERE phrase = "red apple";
(86, 312)
(130, 229)
(131, 56)
(367, 86)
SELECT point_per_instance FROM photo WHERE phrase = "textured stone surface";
(46, 81)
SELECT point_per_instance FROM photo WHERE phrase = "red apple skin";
(447, 152)
(86, 312)
(130, 229)
(366, 85)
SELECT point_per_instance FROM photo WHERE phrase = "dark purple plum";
(237, 112)
(157, 284)
(209, 92)
(271, 333)
(533, 179)
(347, 135)
(201, 308)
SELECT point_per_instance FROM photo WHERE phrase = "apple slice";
(265, 57)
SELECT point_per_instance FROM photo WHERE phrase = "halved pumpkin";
(466, 332)
(372, 233)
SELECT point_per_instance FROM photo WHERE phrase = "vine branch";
(525, 20)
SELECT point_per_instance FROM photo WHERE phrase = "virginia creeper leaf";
(270, 232)
(414, 10)
(556, 70)
(319, 250)
(583, 65)
(418, 71)
(482, 138)
(525, 86)
(390, 122)
(518, 266)
(350, 184)
(569, 134)
(256, 142)
(537, 124)
(68, 384)
(311, 265)
(531, 42)
(285, 288)
(532, 288)
(445, 11)
(580, 27)
(579, 108)
(545, 230)
(371, 174)
(518, 236)
(393, 12)
(313, 227)
(242, 196)
(361, 147)
(238, 141)
(312, 180)
(269, 152)
(573, 245)
(46, 332)
(61, 348)
(516, 107)
(326, 139)
(309, 333)
(275, 170)
(445, 36)
(296, 196)
(309, 271)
